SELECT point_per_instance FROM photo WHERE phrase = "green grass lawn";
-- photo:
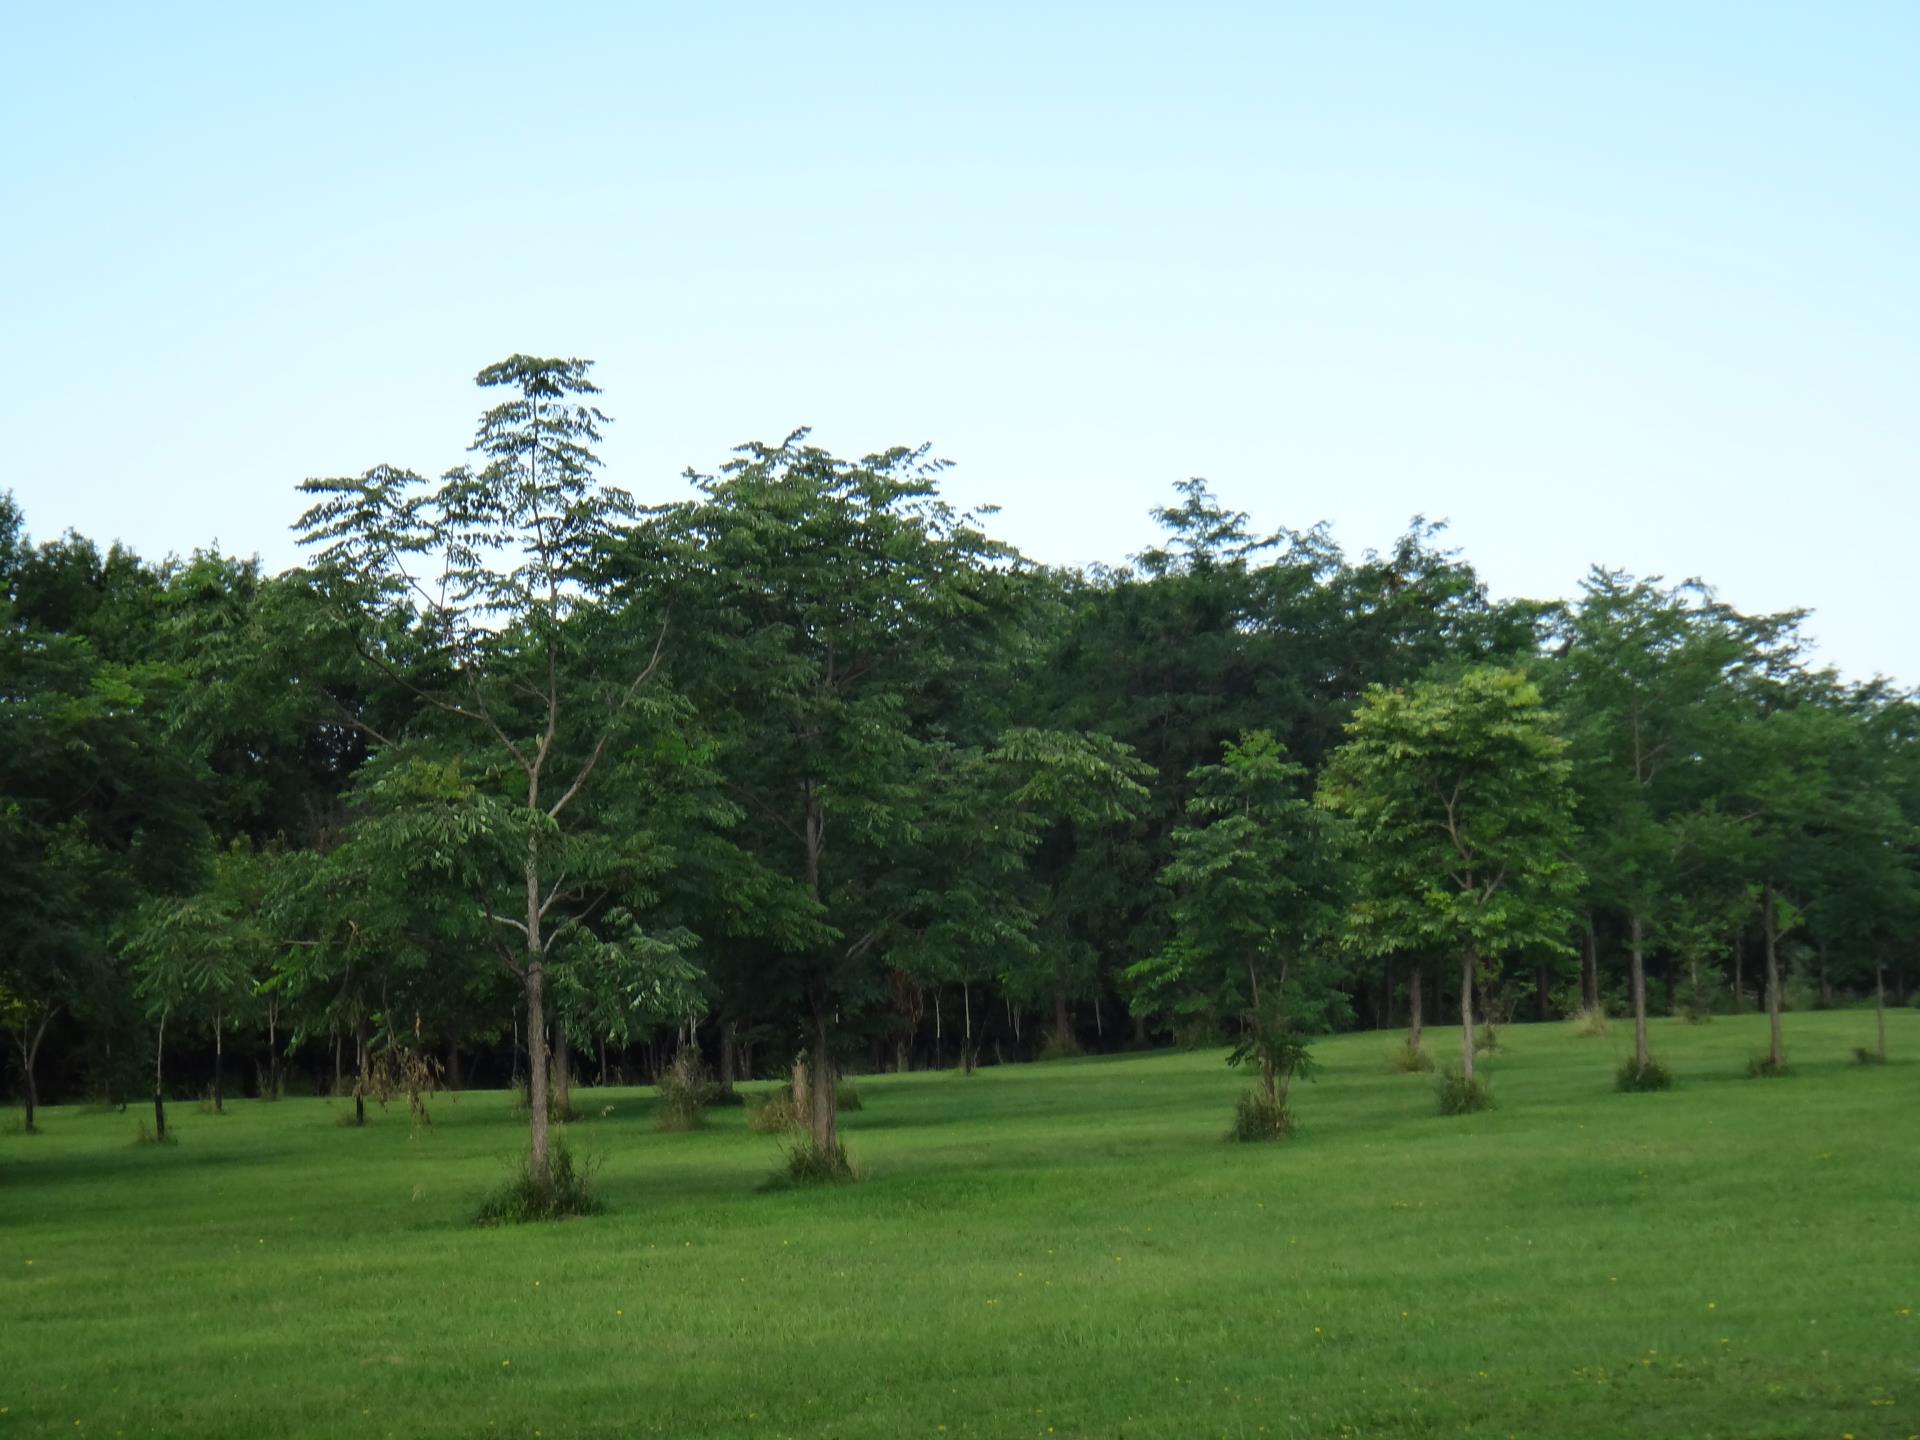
(1063, 1249)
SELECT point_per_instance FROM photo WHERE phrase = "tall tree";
(1461, 821)
(833, 599)
(483, 571)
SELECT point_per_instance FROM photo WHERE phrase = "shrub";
(808, 1164)
(1256, 1116)
(145, 1136)
(684, 1092)
(1061, 1046)
(1590, 1022)
(1863, 1056)
(1407, 1058)
(1632, 1076)
(846, 1096)
(563, 1193)
(772, 1113)
(1762, 1067)
(1461, 1094)
(1486, 1040)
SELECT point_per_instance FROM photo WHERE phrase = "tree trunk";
(802, 1090)
(1099, 1026)
(1062, 1022)
(1466, 1015)
(726, 1057)
(276, 1081)
(826, 1098)
(453, 1065)
(1414, 1018)
(219, 1067)
(939, 1040)
(363, 1071)
(1542, 1003)
(1636, 955)
(1140, 1031)
(1826, 985)
(1880, 1007)
(1739, 977)
(966, 1037)
(536, 987)
(339, 1075)
(1776, 1052)
(562, 1073)
(29, 1058)
(159, 1084)
(1590, 969)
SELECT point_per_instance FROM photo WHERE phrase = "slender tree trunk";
(1880, 1007)
(1466, 1015)
(1636, 955)
(1099, 1025)
(1542, 1005)
(219, 1066)
(1826, 985)
(159, 1083)
(339, 1075)
(1776, 1051)
(726, 1057)
(453, 1065)
(1590, 969)
(939, 1044)
(363, 1071)
(825, 1097)
(276, 1082)
(601, 1041)
(1140, 1031)
(1386, 1004)
(562, 1073)
(1739, 975)
(801, 1088)
(29, 1059)
(1269, 1081)
(1414, 1018)
(1062, 1022)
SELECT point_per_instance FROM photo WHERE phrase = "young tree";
(1461, 824)
(483, 572)
(1256, 892)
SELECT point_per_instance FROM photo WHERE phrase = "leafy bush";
(1590, 1022)
(1461, 1094)
(1632, 1076)
(809, 1164)
(1257, 1117)
(1486, 1040)
(1061, 1046)
(685, 1092)
(1762, 1067)
(145, 1136)
(1863, 1056)
(846, 1096)
(772, 1113)
(1407, 1058)
(563, 1193)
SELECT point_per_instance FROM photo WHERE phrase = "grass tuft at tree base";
(1461, 1094)
(1407, 1058)
(1590, 1023)
(1060, 1045)
(1765, 1067)
(1863, 1056)
(846, 1096)
(806, 1163)
(1257, 1117)
(564, 1193)
(772, 1113)
(1633, 1078)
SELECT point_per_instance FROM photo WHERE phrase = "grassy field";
(1063, 1249)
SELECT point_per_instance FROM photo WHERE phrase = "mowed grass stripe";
(1064, 1249)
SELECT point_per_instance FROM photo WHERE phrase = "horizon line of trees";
(519, 780)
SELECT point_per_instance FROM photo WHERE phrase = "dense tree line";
(518, 781)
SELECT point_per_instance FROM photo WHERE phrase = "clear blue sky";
(1627, 283)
